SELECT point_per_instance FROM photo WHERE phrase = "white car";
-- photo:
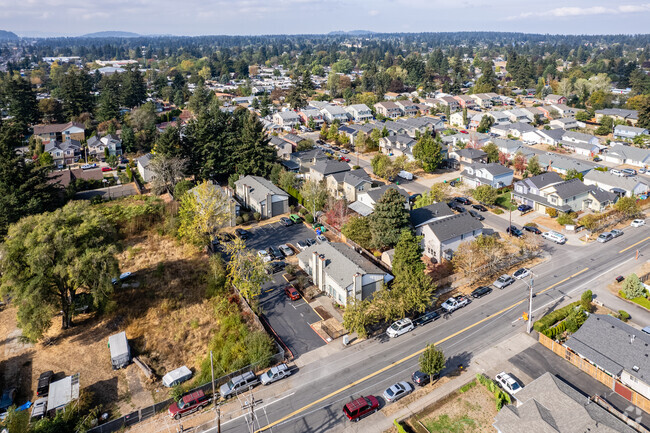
(505, 381)
(452, 304)
(400, 327)
(616, 172)
(556, 237)
(264, 255)
(397, 391)
(275, 373)
(638, 223)
(521, 273)
(321, 239)
(286, 250)
(503, 281)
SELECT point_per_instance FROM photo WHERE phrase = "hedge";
(554, 317)
(293, 192)
(623, 315)
(467, 386)
(502, 398)
(400, 428)
(555, 330)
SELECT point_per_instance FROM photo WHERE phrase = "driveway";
(275, 234)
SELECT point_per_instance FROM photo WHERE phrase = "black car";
(286, 221)
(242, 234)
(481, 291)
(532, 230)
(514, 231)
(275, 253)
(421, 379)
(310, 242)
(458, 208)
(426, 318)
(463, 200)
(479, 207)
(275, 267)
(476, 215)
(43, 386)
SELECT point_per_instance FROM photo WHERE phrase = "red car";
(462, 131)
(106, 169)
(357, 409)
(292, 293)
(188, 404)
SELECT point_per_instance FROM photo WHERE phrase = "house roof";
(55, 127)
(579, 136)
(521, 127)
(423, 215)
(377, 193)
(308, 155)
(145, 160)
(563, 163)
(293, 138)
(637, 130)
(358, 107)
(388, 105)
(549, 405)
(571, 188)
(494, 168)
(342, 263)
(628, 114)
(543, 180)
(260, 188)
(613, 346)
(63, 392)
(334, 110)
(287, 115)
(510, 146)
(361, 208)
(277, 141)
(555, 134)
(327, 166)
(629, 152)
(603, 196)
(454, 226)
(607, 179)
(356, 177)
(471, 153)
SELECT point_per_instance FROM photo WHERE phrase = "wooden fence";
(583, 364)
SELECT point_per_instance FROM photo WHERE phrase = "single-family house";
(365, 203)
(565, 123)
(549, 136)
(619, 114)
(465, 101)
(475, 120)
(579, 137)
(441, 237)
(533, 112)
(518, 115)
(359, 112)
(628, 132)
(60, 132)
(518, 129)
(622, 186)
(64, 153)
(356, 182)
(493, 174)
(305, 159)
(282, 146)
(334, 112)
(564, 110)
(561, 163)
(426, 214)
(482, 100)
(581, 148)
(452, 103)
(342, 273)
(397, 145)
(457, 119)
(407, 107)
(325, 167)
(388, 109)
(555, 99)
(500, 130)
(468, 156)
(261, 195)
(286, 118)
(622, 154)
(335, 183)
(499, 117)
(309, 113)
(509, 147)
(144, 167)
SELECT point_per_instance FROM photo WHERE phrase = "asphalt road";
(318, 391)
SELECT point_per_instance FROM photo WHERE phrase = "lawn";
(503, 200)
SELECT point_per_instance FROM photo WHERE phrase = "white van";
(556, 237)
(405, 175)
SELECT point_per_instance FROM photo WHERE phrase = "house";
(509, 147)
(305, 159)
(565, 123)
(628, 132)
(397, 145)
(64, 153)
(618, 114)
(475, 120)
(68, 176)
(555, 99)
(283, 147)
(457, 119)
(286, 118)
(482, 100)
(622, 186)
(615, 348)
(441, 237)
(144, 167)
(545, 136)
(359, 112)
(260, 195)
(499, 117)
(533, 112)
(579, 137)
(501, 130)
(586, 149)
(464, 101)
(518, 115)
(388, 109)
(335, 183)
(293, 139)
(356, 182)
(334, 112)
(548, 404)
(407, 107)
(365, 203)
(622, 154)
(450, 102)
(564, 110)
(60, 132)
(391, 96)
(426, 214)
(518, 129)
(493, 174)
(342, 273)
(325, 167)
(561, 163)
(307, 114)
(468, 156)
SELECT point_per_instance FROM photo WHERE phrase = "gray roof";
(549, 405)
(628, 114)
(454, 226)
(145, 160)
(377, 193)
(578, 145)
(308, 155)
(361, 208)
(260, 187)
(563, 162)
(471, 153)
(629, 152)
(277, 141)
(522, 127)
(607, 179)
(634, 129)
(555, 134)
(287, 115)
(579, 136)
(341, 262)
(613, 346)
(423, 215)
(603, 196)
(356, 177)
(509, 145)
(294, 138)
(327, 166)
(494, 168)
(571, 188)
(543, 180)
(334, 110)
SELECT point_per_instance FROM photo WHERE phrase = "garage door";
(279, 207)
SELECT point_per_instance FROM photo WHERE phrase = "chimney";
(358, 286)
(321, 272)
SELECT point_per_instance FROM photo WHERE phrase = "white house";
(622, 154)
(441, 237)
(334, 112)
(365, 204)
(493, 174)
(143, 167)
(628, 132)
(286, 118)
(565, 123)
(359, 112)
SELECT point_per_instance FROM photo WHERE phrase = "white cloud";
(573, 11)
(373, 13)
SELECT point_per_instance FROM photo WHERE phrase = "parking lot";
(289, 319)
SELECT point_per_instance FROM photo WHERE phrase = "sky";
(254, 17)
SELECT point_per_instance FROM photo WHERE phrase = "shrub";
(239, 220)
(642, 301)
(497, 211)
(554, 317)
(551, 212)
(246, 217)
(565, 219)
(257, 216)
(623, 315)
(176, 392)
(468, 386)
(290, 269)
(400, 428)
(585, 300)
(303, 211)
(633, 287)
(309, 218)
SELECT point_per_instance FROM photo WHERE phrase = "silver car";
(397, 391)
(503, 281)
(605, 237)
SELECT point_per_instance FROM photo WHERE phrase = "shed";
(120, 351)
(177, 376)
(63, 392)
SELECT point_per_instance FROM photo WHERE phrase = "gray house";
(441, 237)
(628, 132)
(342, 273)
(426, 214)
(325, 167)
(622, 186)
(366, 200)
(622, 154)
(260, 195)
(143, 167)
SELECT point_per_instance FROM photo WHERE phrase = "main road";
(318, 391)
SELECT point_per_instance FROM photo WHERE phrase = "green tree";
(169, 143)
(75, 92)
(431, 361)
(358, 316)
(203, 211)
(628, 207)
(606, 126)
(296, 97)
(439, 192)
(571, 173)
(408, 255)
(357, 228)
(533, 166)
(314, 195)
(246, 269)
(388, 219)
(128, 139)
(583, 116)
(644, 112)
(487, 82)
(633, 287)
(134, 89)
(485, 194)
(51, 110)
(429, 152)
(485, 124)
(48, 259)
(492, 152)
(109, 98)
(201, 99)
(22, 104)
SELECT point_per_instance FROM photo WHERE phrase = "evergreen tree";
(75, 92)
(200, 99)
(128, 139)
(169, 143)
(487, 82)
(388, 219)
(408, 255)
(254, 155)
(109, 98)
(134, 89)
(22, 104)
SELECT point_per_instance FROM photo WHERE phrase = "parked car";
(616, 172)
(427, 317)
(521, 273)
(238, 384)
(6, 401)
(532, 229)
(400, 327)
(476, 215)
(188, 404)
(556, 237)
(524, 208)
(311, 242)
(453, 304)
(638, 223)
(286, 250)
(275, 267)
(286, 221)
(629, 172)
(597, 159)
(456, 207)
(507, 382)
(481, 291)
(605, 237)
(38, 408)
(479, 207)
(275, 373)
(514, 231)
(43, 386)
(361, 407)
(463, 200)
(616, 232)
(242, 234)
(105, 169)
(302, 245)
(397, 391)
(503, 281)
(177, 376)
(274, 253)
(295, 218)
(266, 257)
(642, 171)
(421, 379)
(292, 292)
(321, 239)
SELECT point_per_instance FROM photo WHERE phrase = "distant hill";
(5, 35)
(111, 34)
(352, 33)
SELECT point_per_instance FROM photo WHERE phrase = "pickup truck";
(452, 304)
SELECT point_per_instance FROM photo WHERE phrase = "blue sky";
(237, 17)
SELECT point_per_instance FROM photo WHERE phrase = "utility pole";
(250, 407)
(217, 407)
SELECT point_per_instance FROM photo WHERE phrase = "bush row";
(554, 317)
(555, 330)
(502, 398)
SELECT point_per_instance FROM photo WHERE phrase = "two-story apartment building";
(407, 107)
(60, 132)
(261, 195)
(441, 237)
(286, 118)
(388, 109)
(493, 174)
(359, 112)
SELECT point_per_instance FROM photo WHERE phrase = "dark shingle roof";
(377, 193)
(421, 215)
(571, 188)
(329, 167)
(454, 226)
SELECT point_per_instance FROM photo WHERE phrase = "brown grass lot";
(162, 309)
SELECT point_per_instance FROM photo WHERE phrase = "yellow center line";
(411, 356)
(634, 245)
